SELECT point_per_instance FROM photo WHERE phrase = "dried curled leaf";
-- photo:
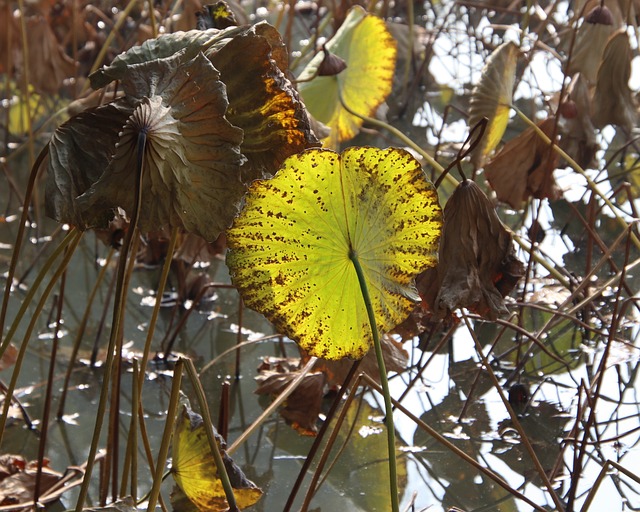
(395, 358)
(578, 137)
(47, 62)
(194, 468)
(303, 406)
(524, 168)
(491, 98)
(613, 101)
(590, 41)
(477, 264)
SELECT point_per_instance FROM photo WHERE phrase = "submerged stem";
(391, 437)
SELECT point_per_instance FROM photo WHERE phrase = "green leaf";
(188, 43)
(291, 245)
(369, 51)
(191, 159)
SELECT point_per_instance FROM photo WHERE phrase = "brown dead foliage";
(395, 360)
(524, 168)
(302, 408)
(477, 265)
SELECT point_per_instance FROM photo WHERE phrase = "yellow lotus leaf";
(291, 248)
(491, 98)
(194, 468)
(369, 51)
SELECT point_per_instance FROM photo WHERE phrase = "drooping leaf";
(477, 265)
(48, 64)
(590, 41)
(369, 51)
(395, 360)
(491, 98)
(302, 408)
(578, 137)
(262, 101)
(524, 168)
(194, 468)
(613, 102)
(191, 160)
(290, 247)
(79, 152)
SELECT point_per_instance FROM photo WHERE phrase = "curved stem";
(391, 437)
(213, 444)
(118, 313)
(163, 452)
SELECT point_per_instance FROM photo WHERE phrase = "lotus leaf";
(194, 468)
(191, 157)
(492, 96)
(291, 247)
(369, 51)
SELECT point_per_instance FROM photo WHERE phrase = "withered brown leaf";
(302, 407)
(577, 133)
(524, 168)
(613, 102)
(477, 265)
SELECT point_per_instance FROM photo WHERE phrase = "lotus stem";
(163, 452)
(118, 313)
(70, 242)
(208, 427)
(391, 437)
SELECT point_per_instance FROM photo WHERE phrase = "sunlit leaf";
(262, 101)
(291, 245)
(194, 468)
(369, 51)
(491, 98)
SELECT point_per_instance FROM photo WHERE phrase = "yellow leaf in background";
(291, 246)
(369, 51)
(194, 468)
(491, 98)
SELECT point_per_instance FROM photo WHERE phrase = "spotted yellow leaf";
(194, 468)
(492, 97)
(291, 247)
(369, 51)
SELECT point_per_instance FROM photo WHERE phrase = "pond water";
(453, 384)
(450, 390)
